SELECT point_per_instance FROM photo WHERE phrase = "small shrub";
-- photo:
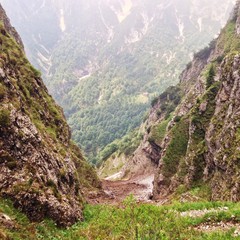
(154, 101)
(5, 157)
(4, 118)
(210, 77)
(108, 151)
(159, 112)
(219, 59)
(177, 148)
(163, 107)
(158, 131)
(2, 92)
(3, 32)
(189, 65)
(35, 72)
(12, 164)
(177, 119)
(51, 183)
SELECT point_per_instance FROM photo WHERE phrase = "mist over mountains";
(104, 61)
(175, 176)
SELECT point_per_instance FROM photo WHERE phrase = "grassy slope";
(130, 221)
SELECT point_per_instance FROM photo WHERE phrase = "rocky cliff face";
(201, 144)
(192, 133)
(41, 171)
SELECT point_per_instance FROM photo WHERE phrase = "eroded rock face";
(192, 133)
(222, 158)
(41, 171)
(200, 146)
(145, 158)
(40, 181)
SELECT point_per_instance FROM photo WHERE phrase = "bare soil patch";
(115, 192)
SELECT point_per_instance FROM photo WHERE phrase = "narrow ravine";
(116, 191)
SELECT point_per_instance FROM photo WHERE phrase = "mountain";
(191, 138)
(41, 171)
(103, 61)
(201, 145)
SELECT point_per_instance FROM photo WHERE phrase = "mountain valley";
(106, 81)
(175, 176)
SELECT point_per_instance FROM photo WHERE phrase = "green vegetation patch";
(158, 131)
(4, 118)
(201, 116)
(177, 147)
(2, 92)
(228, 41)
(129, 221)
(126, 145)
(169, 100)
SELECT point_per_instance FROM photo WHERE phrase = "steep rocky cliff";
(192, 134)
(41, 170)
(200, 147)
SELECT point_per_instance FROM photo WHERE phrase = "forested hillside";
(104, 61)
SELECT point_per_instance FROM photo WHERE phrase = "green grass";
(129, 221)
(158, 131)
(228, 40)
(177, 147)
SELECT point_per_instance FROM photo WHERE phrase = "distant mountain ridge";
(105, 60)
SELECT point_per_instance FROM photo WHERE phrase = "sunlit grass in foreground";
(130, 221)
